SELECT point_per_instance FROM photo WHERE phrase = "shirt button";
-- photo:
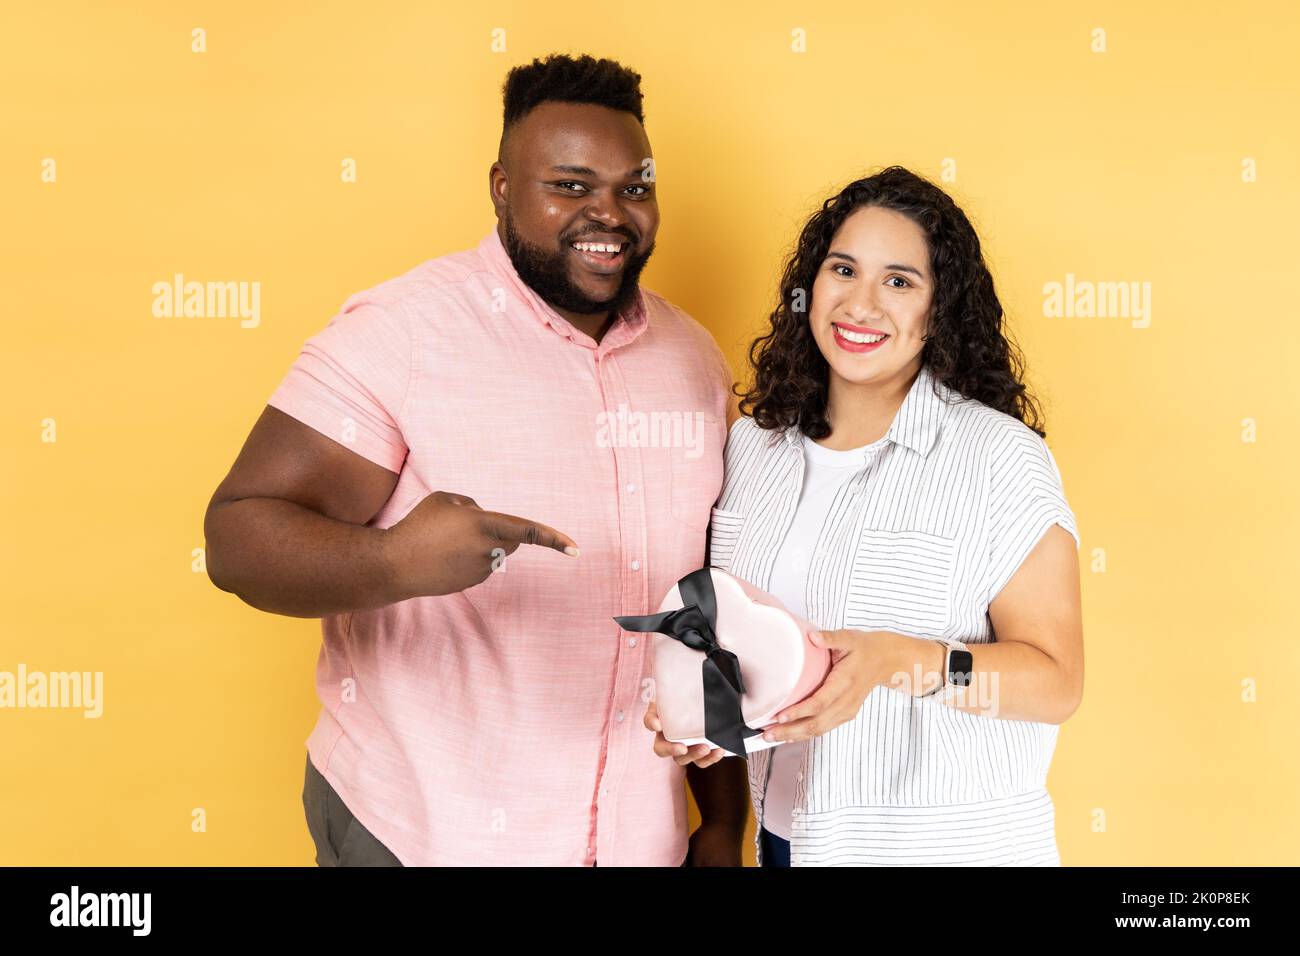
(630, 487)
(619, 716)
(636, 565)
(631, 642)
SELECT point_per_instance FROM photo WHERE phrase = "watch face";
(959, 667)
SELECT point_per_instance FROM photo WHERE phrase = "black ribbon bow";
(694, 624)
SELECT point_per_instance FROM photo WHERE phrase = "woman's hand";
(702, 755)
(859, 661)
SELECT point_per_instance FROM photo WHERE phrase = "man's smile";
(605, 256)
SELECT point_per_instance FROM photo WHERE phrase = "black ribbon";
(694, 624)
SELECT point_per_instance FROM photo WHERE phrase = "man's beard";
(547, 274)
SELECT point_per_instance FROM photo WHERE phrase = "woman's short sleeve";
(1025, 498)
(350, 382)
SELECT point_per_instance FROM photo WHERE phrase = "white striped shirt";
(919, 542)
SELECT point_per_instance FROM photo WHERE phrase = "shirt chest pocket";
(902, 581)
(694, 471)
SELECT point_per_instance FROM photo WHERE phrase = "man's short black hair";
(567, 79)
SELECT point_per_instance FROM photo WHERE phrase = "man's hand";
(447, 543)
(702, 755)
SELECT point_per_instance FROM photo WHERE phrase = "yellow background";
(1123, 165)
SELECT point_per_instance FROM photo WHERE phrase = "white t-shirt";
(825, 473)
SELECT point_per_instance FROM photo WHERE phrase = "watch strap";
(947, 685)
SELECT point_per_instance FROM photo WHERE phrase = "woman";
(889, 482)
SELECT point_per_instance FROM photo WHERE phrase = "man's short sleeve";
(727, 380)
(351, 380)
(1025, 498)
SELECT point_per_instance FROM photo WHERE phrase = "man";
(480, 705)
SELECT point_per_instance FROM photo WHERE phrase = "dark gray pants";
(340, 839)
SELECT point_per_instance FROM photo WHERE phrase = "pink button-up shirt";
(502, 725)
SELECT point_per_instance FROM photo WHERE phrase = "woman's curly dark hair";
(966, 348)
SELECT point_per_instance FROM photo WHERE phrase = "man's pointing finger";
(513, 528)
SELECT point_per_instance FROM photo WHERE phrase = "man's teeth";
(598, 246)
(860, 337)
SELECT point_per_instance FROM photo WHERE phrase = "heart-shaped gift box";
(728, 657)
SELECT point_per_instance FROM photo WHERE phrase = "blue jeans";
(776, 851)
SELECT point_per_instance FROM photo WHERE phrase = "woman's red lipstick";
(858, 332)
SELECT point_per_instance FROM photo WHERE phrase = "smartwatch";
(958, 664)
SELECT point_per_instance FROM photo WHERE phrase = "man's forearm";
(721, 792)
(281, 557)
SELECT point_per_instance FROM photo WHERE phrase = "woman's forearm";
(1009, 679)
